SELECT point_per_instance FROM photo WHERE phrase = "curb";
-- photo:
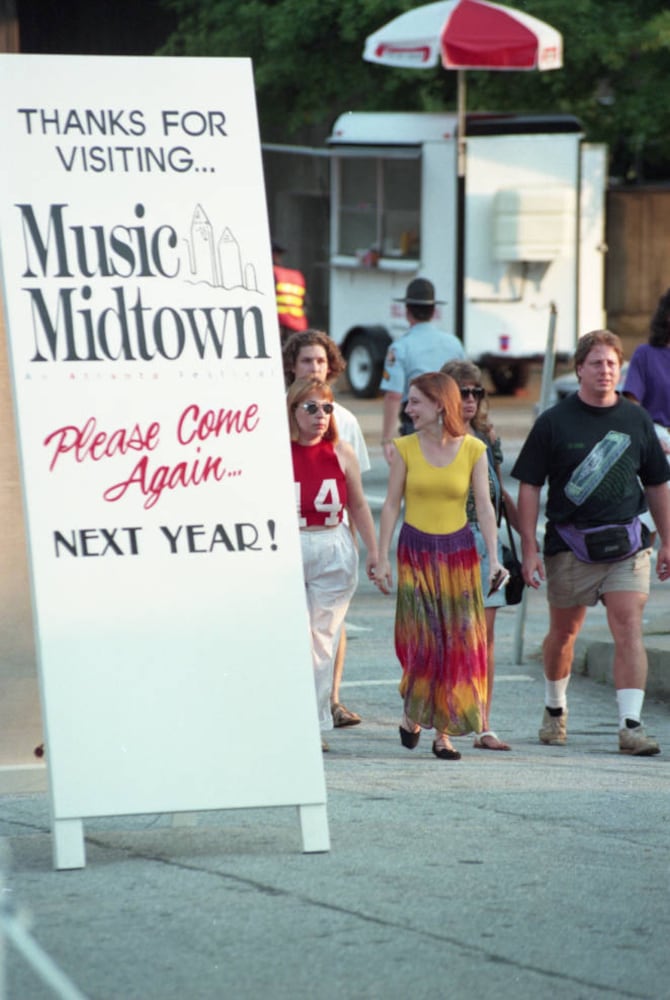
(594, 660)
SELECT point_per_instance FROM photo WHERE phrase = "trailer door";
(592, 246)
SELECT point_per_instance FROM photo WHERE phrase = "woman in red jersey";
(327, 480)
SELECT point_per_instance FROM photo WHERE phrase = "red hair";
(443, 390)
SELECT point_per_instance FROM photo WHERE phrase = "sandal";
(443, 749)
(408, 738)
(343, 716)
(488, 740)
(409, 732)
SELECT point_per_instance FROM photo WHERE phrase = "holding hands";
(381, 576)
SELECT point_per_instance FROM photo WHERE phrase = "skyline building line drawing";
(218, 263)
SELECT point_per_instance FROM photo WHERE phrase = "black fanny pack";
(608, 543)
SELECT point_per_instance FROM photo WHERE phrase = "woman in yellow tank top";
(475, 409)
(440, 629)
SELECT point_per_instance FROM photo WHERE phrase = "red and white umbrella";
(466, 34)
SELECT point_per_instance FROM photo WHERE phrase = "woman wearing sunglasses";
(327, 480)
(476, 416)
(440, 630)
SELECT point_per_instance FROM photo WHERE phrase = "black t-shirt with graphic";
(594, 459)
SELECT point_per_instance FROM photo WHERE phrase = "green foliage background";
(308, 68)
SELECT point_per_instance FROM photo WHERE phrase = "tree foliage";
(308, 68)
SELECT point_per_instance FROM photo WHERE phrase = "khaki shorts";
(572, 583)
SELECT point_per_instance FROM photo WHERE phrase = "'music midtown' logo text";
(98, 312)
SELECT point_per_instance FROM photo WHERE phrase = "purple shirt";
(648, 379)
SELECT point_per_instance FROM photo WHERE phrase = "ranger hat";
(420, 292)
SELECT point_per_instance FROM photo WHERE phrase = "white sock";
(630, 702)
(555, 693)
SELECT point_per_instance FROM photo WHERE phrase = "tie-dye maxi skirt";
(440, 631)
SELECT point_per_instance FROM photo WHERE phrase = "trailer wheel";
(364, 367)
(508, 376)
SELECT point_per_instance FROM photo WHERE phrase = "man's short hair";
(597, 338)
(421, 313)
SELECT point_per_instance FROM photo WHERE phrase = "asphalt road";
(536, 873)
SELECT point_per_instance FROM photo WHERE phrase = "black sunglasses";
(476, 393)
(313, 408)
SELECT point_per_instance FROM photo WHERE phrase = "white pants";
(330, 568)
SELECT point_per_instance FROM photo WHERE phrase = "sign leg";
(314, 826)
(68, 843)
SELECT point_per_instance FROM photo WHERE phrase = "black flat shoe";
(408, 739)
(444, 753)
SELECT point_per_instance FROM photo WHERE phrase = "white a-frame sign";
(169, 606)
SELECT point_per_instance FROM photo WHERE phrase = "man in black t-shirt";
(601, 458)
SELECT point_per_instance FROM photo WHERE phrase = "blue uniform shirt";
(424, 348)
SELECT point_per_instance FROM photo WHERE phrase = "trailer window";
(401, 208)
(379, 206)
(358, 206)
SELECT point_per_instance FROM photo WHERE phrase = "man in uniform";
(424, 348)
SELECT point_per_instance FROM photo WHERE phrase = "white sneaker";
(636, 742)
(554, 728)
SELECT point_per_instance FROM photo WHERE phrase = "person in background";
(440, 628)
(476, 418)
(424, 348)
(594, 448)
(327, 479)
(313, 353)
(648, 380)
(290, 290)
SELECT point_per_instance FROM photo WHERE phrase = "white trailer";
(522, 230)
